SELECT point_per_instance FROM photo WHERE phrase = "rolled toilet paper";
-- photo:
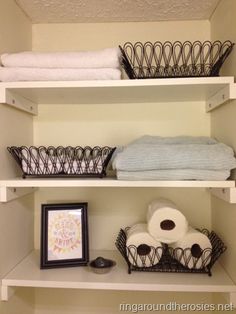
(141, 248)
(165, 222)
(193, 250)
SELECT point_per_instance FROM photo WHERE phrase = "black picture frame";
(64, 235)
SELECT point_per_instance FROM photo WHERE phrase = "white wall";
(223, 126)
(66, 37)
(16, 218)
(16, 31)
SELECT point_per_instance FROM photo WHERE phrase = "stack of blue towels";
(174, 158)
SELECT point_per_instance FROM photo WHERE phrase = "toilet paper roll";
(142, 249)
(193, 251)
(165, 222)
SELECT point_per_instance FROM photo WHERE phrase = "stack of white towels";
(174, 158)
(61, 66)
(167, 225)
(37, 161)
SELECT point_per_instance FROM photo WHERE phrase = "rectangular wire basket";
(62, 161)
(165, 255)
(167, 60)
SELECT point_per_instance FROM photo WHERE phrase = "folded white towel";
(41, 168)
(43, 74)
(106, 58)
(38, 162)
(83, 167)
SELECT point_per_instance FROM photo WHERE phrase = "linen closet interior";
(113, 123)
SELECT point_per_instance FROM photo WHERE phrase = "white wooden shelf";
(214, 91)
(109, 182)
(14, 188)
(28, 274)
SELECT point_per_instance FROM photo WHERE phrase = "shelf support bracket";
(218, 99)
(232, 299)
(226, 194)
(7, 292)
(9, 194)
(17, 101)
(225, 94)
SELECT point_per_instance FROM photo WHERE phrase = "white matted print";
(64, 235)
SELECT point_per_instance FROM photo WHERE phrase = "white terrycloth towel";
(174, 175)
(193, 250)
(41, 168)
(142, 157)
(142, 249)
(40, 164)
(106, 58)
(57, 74)
(165, 222)
(181, 140)
(83, 167)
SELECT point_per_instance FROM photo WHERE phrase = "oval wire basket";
(167, 60)
(166, 256)
(62, 161)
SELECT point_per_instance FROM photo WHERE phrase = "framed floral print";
(64, 235)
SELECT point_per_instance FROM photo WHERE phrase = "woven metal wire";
(163, 60)
(169, 257)
(62, 161)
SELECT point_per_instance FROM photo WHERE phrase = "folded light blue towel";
(142, 157)
(181, 140)
(174, 175)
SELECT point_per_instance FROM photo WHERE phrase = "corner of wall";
(12, 19)
(16, 218)
(223, 27)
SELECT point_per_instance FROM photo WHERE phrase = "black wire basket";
(167, 256)
(62, 161)
(168, 60)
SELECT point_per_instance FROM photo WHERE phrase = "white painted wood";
(28, 274)
(222, 80)
(226, 194)
(105, 182)
(20, 102)
(17, 101)
(15, 188)
(218, 99)
(7, 293)
(2, 94)
(221, 97)
(232, 299)
(119, 91)
(3, 193)
(9, 194)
